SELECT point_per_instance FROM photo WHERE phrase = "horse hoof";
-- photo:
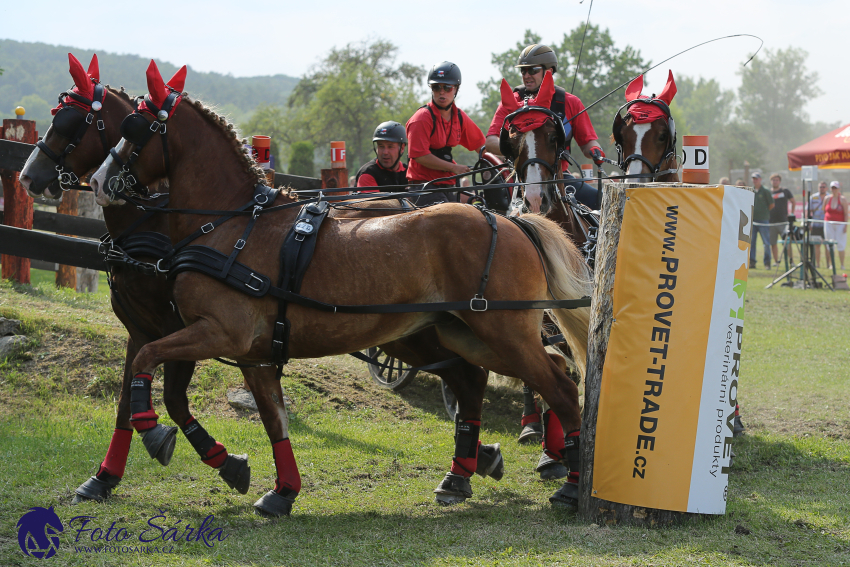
(490, 461)
(531, 433)
(566, 497)
(274, 505)
(96, 489)
(236, 473)
(454, 489)
(159, 442)
(550, 469)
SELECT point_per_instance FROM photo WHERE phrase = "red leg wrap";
(531, 418)
(116, 456)
(465, 466)
(553, 436)
(143, 418)
(288, 478)
(737, 409)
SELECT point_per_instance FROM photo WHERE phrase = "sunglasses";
(531, 70)
(437, 87)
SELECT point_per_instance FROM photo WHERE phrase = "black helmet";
(445, 73)
(390, 132)
(538, 54)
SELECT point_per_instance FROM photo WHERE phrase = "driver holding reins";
(533, 62)
(434, 130)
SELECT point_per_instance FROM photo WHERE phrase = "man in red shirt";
(386, 169)
(435, 129)
(533, 62)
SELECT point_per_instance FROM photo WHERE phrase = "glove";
(597, 154)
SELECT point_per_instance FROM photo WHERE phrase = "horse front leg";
(270, 402)
(99, 487)
(200, 340)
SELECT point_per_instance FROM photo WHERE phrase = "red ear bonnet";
(531, 119)
(156, 86)
(83, 84)
(94, 69)
(642, 112)
(81, 79)
(669, 89)
(634, 88)
(508, 99)
(547, 90)
(178, 80)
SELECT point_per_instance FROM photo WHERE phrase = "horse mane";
(229, 130)
(120, 93)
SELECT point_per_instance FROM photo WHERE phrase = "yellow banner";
(665, 287)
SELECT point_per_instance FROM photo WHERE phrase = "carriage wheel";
(449, 400)
(389, 372)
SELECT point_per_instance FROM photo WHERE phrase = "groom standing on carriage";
(435, 129)
(533, 63)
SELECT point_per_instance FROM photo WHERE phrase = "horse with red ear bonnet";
(534, 139)
(646, 136)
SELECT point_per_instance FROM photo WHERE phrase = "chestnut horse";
(406, 258)
(141, 302)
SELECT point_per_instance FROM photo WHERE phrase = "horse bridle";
(136, 130)
(669, 152)
(72, 125)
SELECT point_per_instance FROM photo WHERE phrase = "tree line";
(354, 88)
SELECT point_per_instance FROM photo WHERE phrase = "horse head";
(84, 127)
(646, 136)
(533, 138)
(131, 165)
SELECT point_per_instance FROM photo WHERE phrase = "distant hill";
(35, 73)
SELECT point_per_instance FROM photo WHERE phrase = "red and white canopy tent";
(830, 151)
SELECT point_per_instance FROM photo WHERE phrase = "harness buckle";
(265, 198)
(480, 302)
(257, 211)
(253, 277)
(206, 230)
(100, 125)
(240, 244)
(89, 118)
(154, 127)
(159, 268)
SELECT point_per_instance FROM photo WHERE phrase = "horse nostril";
(25, 181)
(94, 185)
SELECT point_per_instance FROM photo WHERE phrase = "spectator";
(762, 206)
(724, 181)
(835, 215)
(779, 214)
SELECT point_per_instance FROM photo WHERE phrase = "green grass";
(368, 473)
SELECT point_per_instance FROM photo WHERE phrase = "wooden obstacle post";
(66, 276)
(18, 205)
(592, 509)
(337, 175)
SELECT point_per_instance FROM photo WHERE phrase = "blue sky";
(253, 38)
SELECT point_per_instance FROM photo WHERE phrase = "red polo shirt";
(447, 133)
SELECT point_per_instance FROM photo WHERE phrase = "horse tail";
(569, 278)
